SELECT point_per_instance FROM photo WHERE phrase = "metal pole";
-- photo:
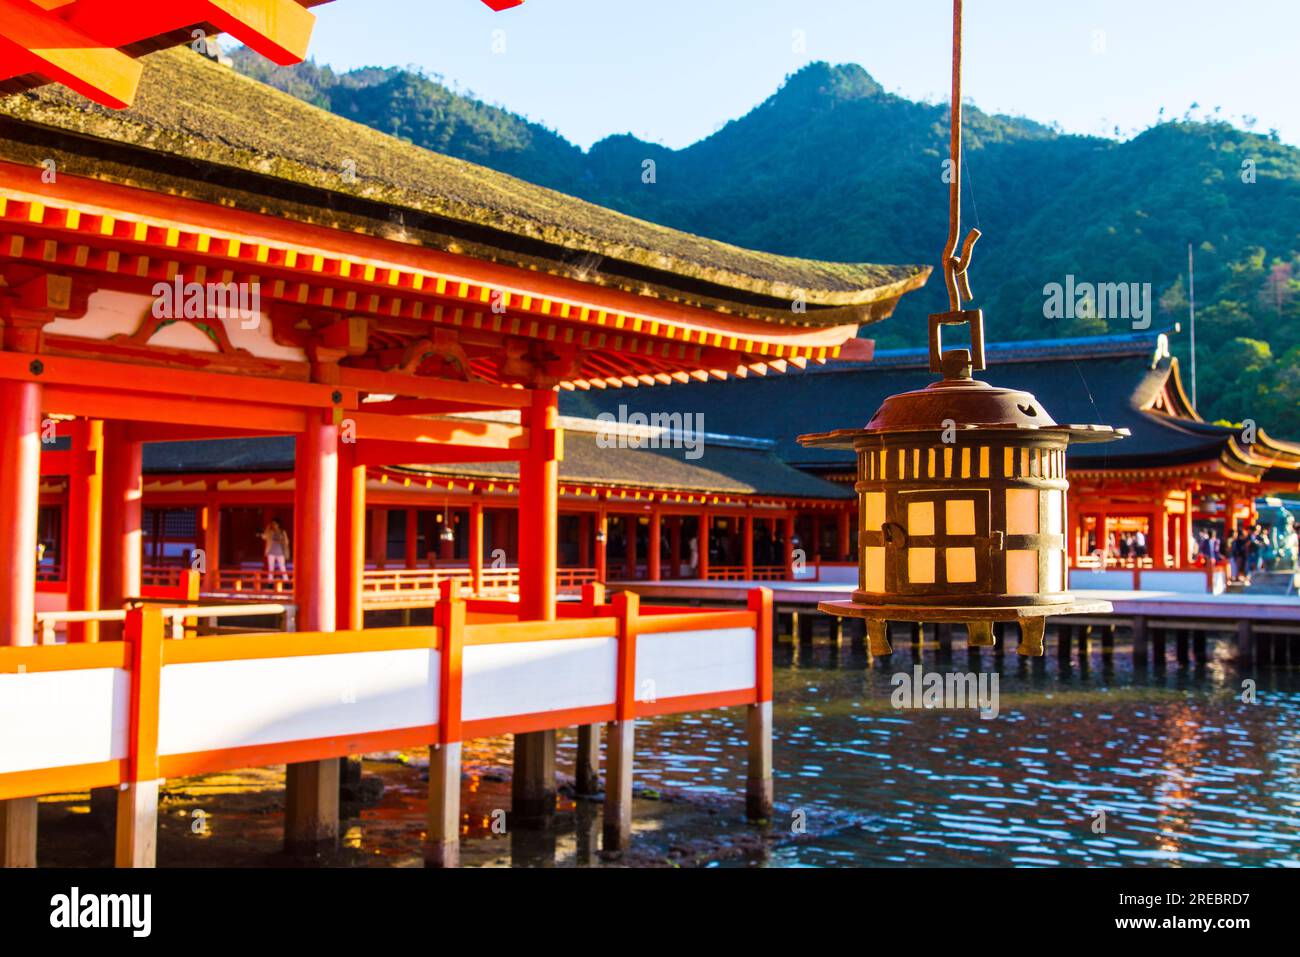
(1191, 286)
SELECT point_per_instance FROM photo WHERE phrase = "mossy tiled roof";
(200, 130)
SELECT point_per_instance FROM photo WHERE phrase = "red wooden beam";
(35, 41)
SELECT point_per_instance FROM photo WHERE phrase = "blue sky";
(672, 71)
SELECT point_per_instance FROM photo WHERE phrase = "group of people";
(1133, 545)
(1246, 551)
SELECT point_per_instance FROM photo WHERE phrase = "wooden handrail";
(47, 621)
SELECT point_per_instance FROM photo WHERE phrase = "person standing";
(275, 548)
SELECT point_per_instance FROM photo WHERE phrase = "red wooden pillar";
(379, 536)
(789, 545)
(630, 555)
(123, 513)
(1103, 537)
(1157, 546)
(747, 549)
(539, 474)
(211, 531)
(702, 539)
(602, 542)
(533, 783)
(351, 539)
(843, 533)
(675, 546)
(476, 546)
(311, 818)
(653, 567)
(584, 540)
(413, 535)
(85, 525)
(20, 482)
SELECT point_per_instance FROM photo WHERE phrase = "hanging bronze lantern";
(961, 485)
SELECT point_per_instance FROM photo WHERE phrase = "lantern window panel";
(1022, 571)
(920, 519)
(961, 565)
(920, 566)
(873, 569)
(1022, 511)
(1055, 513)
(959, 516)
(1055, 571)
(873, 511)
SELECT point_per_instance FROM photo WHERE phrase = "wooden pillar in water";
(136, 843)
(1141, 642)
(1199, 647)
(20, 484)
(1158, 648)
(1245, 643)
(1064, 634)
(758, 720)
(620, 734)
(1181, 641)
(311, 803)
(533, 782)
(586, 763)
(943, 636)
(442, 824)
(806, 619)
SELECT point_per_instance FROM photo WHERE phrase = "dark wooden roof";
(724, 469)
(1111, 380)
(200, 130)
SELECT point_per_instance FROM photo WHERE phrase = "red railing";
(397, 688)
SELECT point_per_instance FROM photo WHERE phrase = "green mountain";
(831, 166)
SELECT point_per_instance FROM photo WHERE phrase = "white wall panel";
(679, 663)
(211, 705)
(527, 677)
(51, 719)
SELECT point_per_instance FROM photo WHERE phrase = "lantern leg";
(1031, 637)
(878, 638)
(979, 634)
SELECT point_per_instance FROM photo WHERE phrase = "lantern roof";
(965, 404)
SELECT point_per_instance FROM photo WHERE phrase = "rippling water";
(1186, 772)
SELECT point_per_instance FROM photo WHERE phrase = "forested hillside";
(831, 166)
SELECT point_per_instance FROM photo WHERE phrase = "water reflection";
(1184, 771)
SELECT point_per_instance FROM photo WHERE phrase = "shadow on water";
(1089, 763)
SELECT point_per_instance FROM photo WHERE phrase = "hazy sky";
(672, 71)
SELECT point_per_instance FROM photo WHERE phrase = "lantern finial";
(955, 265)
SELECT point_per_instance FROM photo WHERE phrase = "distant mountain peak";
(840, 83)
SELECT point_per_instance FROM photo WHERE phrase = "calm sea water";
(1185, 771)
